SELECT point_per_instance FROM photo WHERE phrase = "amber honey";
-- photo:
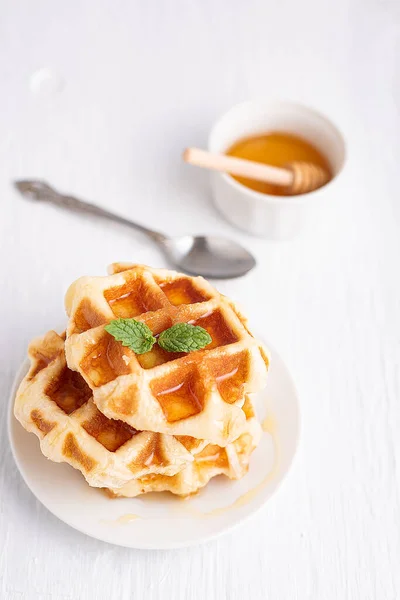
(110, 433)
(180, 401)
(276, 149)
(182, 291)
(178, 392)
(69, 391)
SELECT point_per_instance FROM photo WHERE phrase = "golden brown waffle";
(56, 404)
(232, 461)
(198, 394)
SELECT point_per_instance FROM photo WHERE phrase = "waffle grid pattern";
(56, 404)
(231, 461)
(199, 394)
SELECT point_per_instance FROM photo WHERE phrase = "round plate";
(163, 520)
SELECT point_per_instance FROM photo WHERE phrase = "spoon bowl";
(209, 256)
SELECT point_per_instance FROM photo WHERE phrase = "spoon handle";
(39, 190)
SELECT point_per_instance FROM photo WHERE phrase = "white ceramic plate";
(163, 520)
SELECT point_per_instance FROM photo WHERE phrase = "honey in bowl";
(276, 149)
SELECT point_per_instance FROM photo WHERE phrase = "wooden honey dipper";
(297, 177)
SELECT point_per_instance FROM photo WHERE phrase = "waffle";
(199, 394)
(232, 461)
(56, 404)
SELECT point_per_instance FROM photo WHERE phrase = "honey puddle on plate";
(269, 426)
(128, 518)
(122, 520)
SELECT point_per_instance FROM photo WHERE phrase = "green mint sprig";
(184, 337)
(131, 333)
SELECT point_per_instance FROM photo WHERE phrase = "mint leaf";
(184, 337)
(137, 336)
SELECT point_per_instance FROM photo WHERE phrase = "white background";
(134, 83)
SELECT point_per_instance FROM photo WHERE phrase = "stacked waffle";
(159, 420)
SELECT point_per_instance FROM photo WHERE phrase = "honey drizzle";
(269, 425)
(182, 291)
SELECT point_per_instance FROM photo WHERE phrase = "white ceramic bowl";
(273, 217)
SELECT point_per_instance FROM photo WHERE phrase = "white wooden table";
(132, 84)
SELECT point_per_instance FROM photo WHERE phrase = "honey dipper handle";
(238, 166)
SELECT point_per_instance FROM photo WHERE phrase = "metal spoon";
(209, 256)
